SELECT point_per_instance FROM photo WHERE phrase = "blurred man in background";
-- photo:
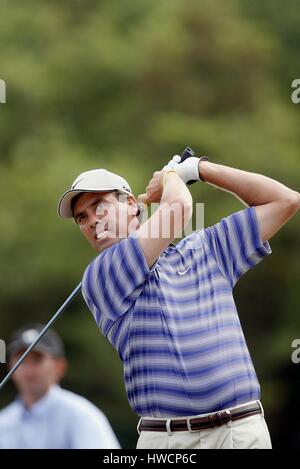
(45, 416)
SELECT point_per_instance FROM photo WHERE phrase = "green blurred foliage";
(125, 85)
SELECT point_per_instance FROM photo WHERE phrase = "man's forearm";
(253, 189)
(174, 190)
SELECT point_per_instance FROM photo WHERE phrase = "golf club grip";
(187, 153)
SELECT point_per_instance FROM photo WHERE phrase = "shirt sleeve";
(114, 280)
(236, 243)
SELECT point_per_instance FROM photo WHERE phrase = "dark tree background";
(125, 85)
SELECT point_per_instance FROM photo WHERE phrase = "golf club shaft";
(34, 343)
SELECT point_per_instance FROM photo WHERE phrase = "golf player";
(45, 416)
(169, 309)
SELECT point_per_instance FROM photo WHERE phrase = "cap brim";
(65, 203)
(22, 346)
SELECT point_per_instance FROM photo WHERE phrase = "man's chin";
(37, 390)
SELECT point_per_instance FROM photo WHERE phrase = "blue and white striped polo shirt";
(175, 326)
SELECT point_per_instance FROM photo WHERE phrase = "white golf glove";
(188, 170)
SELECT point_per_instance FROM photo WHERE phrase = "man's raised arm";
(275, 203)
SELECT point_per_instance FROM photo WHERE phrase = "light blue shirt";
(60, 420)
(176, 326)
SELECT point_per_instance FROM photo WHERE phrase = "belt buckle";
(214, 418)
(219, 419)
(228, 416)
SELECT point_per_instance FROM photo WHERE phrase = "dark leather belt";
(195, 424)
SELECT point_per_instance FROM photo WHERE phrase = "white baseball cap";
(96, 180)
